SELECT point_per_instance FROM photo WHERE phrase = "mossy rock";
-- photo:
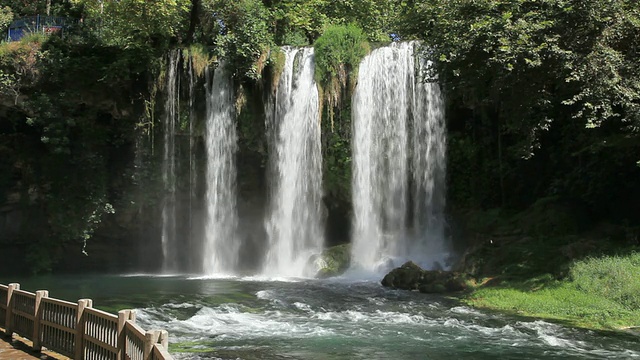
(334, 261)
(433, 289)
(412, 277)
(407, 277)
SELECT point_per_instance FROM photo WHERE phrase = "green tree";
(524, 58)
(6, 17)
(244, 37)
(136, 22)
(297, 22)
(374, 17)
(524, 78)
(605, 74)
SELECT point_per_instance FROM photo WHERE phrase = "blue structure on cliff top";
(38, 24)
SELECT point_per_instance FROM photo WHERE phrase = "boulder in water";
(412, 277)
(406, 277)
(334, 261)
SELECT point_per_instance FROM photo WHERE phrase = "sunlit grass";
(613, 277)
(600, 293)
(192, 347)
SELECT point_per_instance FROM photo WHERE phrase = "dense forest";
(542, 104)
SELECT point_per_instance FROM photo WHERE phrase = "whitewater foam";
(218, 276)
(463, 310)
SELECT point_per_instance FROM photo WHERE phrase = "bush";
(338, 53)
(245, 36)
(199, 57)
(612, 277)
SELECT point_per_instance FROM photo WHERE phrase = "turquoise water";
(251, 318)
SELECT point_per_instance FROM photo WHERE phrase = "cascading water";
(295, 220)
(393, 109)
(193, 177)
(169, 229)
(429, 171)
(220, 253)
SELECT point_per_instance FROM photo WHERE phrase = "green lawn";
(598, 293)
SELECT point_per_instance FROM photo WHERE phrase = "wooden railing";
(77, 330)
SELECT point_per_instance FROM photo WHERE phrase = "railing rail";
(135, 338)
(77, 330)
(59, 323)
(23, 312)
(100, 335)
(4, 289)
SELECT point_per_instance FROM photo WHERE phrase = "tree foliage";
(136, 22)
(298, 22)
(529, 76)
(374, 17)
(528, 57)
(6, 16)
(244, 36)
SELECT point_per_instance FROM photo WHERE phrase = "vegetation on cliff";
(338, 53)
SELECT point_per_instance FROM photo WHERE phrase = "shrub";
(276, 61)
(612, 277)
(338, 53)
(199, 57)
(19, 64)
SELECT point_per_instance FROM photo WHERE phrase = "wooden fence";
(77, 330)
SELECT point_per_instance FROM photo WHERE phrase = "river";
(254, 318)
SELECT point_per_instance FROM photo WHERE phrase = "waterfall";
(169, 120)
(221, 246)
(193, 175)
(294, 222)
(398, 162)
(429, 172)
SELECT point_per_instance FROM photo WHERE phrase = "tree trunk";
(194, 19)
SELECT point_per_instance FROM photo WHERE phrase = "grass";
(193, 347)
(612, 277)
(599, 293)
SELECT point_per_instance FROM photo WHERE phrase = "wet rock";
(333, 261)
(412, 277)
(406, 277)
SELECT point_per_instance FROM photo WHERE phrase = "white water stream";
(294, 221)
(169, 229)
(398, 163)
(221, 245)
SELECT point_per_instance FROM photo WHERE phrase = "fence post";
(123, 316)
(8, 327)
(150, 339)
(37, 319)
(79, 350)
(164, 339)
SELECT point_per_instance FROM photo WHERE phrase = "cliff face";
(68, 120)
(81, 154)
(81, 185)
(59, 175)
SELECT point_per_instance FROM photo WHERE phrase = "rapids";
(252, 318)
